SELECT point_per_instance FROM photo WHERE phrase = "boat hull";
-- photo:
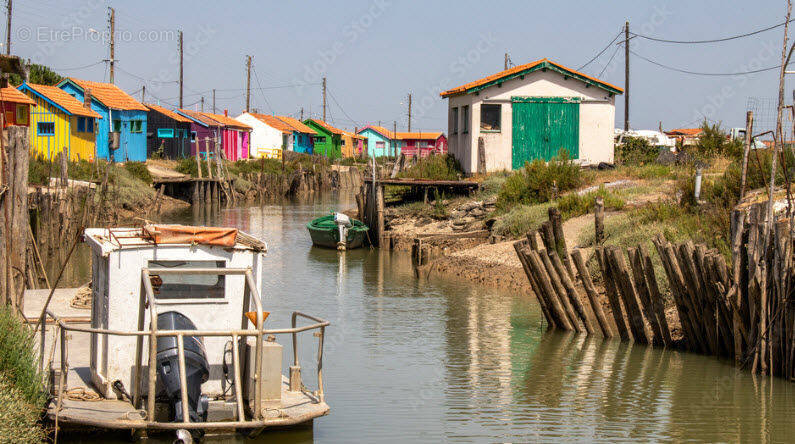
(325, 234)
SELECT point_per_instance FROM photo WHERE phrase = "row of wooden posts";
(222, 176)
(743, 311)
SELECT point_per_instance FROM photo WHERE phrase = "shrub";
(17, 359)
(635, 151)
(493, 183)
(573, 205)
(540, 181)
(521, 219)
(139, 171)
(437, 167)
(19, 419)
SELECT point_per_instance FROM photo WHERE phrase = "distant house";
(422, 143)
(271, 134)
(530, 112)
(168, 131)
(204, 132)
(686, 136)
(234, 136)
(61, 122)
(380, 141)
(352, 144)
(16, 107)
(120, 114)
(328, 141)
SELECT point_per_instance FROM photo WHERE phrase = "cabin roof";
(108, 94)
(297, 125)
(198, 117)
(167, 112)
(227, 121)
(274, 122)
(428, 135)
(61, 99)
(11, 94)
(527, 68)
(380, 130)
(325, 125)
(115, 239)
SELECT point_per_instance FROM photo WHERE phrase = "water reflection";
(442, 360)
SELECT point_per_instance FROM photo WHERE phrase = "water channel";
(443, 360)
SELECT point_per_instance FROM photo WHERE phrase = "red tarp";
(182, 234)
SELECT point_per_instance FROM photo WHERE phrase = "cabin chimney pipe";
(226, 113)
(87, 99)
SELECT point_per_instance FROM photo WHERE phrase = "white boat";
(179, 306)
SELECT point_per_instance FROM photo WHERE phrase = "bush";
(19, 419)
(17, 359)
(540, 181)
(139, 171)
(573, 205)
(635, 151)
(521, 219)
(437, 167)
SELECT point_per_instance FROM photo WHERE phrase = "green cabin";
(328, 141)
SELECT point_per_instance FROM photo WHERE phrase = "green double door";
(544, 125)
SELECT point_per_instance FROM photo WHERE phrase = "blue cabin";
(120, 113)
(380, 141)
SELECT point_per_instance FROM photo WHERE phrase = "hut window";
(136, 126)
(81, 124)
(193, 136)
(45, 128)
(490, 117)
(465, 119)
(117, 126)
(90, 124)
(22, 114)
(188, 286)
(454, 121)
(320, 139)
(165, 133)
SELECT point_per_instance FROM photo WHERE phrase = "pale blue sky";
(375, 52)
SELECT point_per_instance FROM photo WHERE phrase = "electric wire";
(609, 61)
(723, 39)
(341, 108)
(709, 74)
(256, 77)
(601, 52)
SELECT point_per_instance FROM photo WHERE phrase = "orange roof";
(519, 70)
(64, 100)
(226, 120)
(274, 122)
(420, 135)
(198, 117)
(109, 94)
(297, 125)
(684, 132)
(11, 94)
(167, 112)
(352, 135)
(380, 129)
(327, 126)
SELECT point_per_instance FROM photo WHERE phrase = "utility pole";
(506, 60)
(143, 94)
(324, 99)
(248, 82)
(112, 60)
(409, 112)
(213, 101)
(8, 29)
(180, 70)
(202, 102)
(394, 137)
(626, 76)
(302, 114)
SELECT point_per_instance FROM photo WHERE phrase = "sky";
(374, 53)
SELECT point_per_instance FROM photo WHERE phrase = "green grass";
(441, 167)
(573, 205)
(540, 181)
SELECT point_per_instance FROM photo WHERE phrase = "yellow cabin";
(61, 122)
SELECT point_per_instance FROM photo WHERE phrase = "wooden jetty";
(196, 190)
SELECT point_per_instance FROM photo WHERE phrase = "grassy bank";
(22, 395)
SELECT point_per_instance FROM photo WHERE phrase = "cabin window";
(454, 121)
(22, 114)
(136, 126)
(319, 139)
(380, 146)
(465, 119)
(490, 117)
(81, 124)
(90, 124)
(193, 136)
(117, 126)
(45, 128)
(9, 118)
(188, 286)
(166, 133)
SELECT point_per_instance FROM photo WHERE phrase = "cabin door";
(99, 317)
(542, 126)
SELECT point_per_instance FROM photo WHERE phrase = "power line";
(256, 77)
(78, 67)
(601, 52)
(711, 74)
(341, 108)
(609, 61)
(724, 39)
(143, 78)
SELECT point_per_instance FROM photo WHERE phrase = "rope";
(81, 394)
(82, 298)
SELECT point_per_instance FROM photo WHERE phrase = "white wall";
(263, 136)
(597, 116)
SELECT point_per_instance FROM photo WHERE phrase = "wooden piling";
(520, 248)
(590, 291)
(542, 278)
(571, 292)
(628, 293)
(557, 286)
(599, 220)
(611, 290)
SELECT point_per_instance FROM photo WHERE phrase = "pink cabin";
(235, 136)
(422, 143)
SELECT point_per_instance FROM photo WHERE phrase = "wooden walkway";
(461, 184)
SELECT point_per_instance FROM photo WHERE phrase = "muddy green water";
(440, 360)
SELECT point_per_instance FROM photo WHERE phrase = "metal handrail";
(147, 303)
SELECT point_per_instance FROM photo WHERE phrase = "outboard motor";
(197, 370)
(343, 223)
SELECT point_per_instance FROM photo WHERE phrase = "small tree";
(38, 74)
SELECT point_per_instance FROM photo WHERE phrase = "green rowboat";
(326, 233)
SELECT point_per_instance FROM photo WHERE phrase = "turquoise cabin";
(380, 141)
(120, 113)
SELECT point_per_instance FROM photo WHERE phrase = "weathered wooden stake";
(590, 290)
(599, 221)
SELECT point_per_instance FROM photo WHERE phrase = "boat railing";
(147, 305)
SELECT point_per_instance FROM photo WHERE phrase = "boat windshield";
(186, 286)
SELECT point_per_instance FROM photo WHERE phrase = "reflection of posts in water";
(547, 370)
